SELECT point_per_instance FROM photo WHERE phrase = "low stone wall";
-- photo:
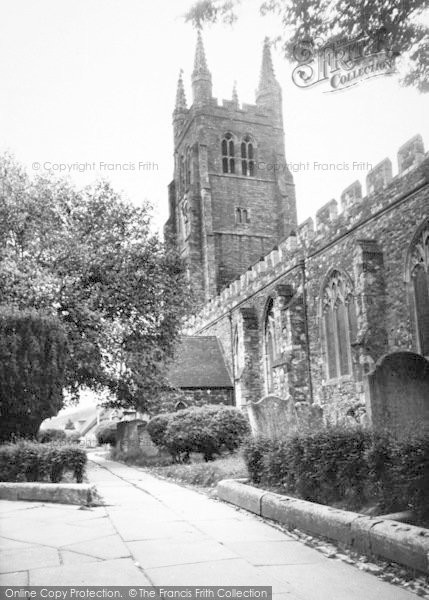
(398, 542)
(62, 493)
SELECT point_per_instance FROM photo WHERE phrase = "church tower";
(232, 198)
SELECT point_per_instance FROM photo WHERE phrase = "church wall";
(368, 241)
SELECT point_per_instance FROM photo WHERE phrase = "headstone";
(275, 417)
(397, 393)
(133, 435)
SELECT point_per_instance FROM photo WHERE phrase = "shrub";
(254, 450)
(51, 435)
(106, 433)
(31, 461)
(208, 429)
(345, 465)
(157, 427)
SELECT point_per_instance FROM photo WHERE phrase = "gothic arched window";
(418, 277)
(228, 154)
(339, 324)
(270, 345)
(247, 157)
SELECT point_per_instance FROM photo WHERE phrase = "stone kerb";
(374, 536)
(62, 493)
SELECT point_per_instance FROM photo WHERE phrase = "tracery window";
(419, 286)
(247, 157)
(339, 324)
(228, 154)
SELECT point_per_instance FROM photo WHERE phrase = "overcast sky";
(94, 81)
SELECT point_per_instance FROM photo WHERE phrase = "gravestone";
(133, 435)
(397, 393)
(275, 417)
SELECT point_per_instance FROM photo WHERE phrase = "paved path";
(155, 532)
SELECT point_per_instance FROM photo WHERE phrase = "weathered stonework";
(277, 334)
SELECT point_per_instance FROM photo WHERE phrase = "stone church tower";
(232, 199)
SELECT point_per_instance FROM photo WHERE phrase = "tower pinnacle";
(181, 105)
(267, 77)
(269, 94)
(235, 94)
(201, 76)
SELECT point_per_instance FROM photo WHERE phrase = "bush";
(51, 435)
(31, 461)
(208, 429)
(348, 466)
(157, 427)
(106, 433)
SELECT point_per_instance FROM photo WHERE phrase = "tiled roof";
(199, 363)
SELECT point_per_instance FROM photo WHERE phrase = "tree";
(33, 354)
(90, 258)
(394, 24)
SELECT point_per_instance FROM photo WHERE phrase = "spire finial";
(235, 93)
(180, 94)
(267, 77)
(201, 77)
(200, 63)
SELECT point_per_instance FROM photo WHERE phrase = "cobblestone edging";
(63, 493)
(403, 544)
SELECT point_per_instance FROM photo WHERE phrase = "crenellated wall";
(365, 237)
(382, 189)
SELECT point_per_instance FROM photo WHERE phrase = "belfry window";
(339, 324)
(247, 157)
(241, 216)
(228, 154)
(418, 268)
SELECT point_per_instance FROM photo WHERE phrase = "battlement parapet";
(411, 154)
(382, 190)
(257, 276)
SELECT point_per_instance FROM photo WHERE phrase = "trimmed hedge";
(30, 461)
(349, 466)
(51, 435)
(210, 430)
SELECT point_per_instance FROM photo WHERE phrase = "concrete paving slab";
(145, 530)
(49, 533)
(7, 506)
(102, 547)
(105, 573)
(20, 578)
(223, 572)
(164, 553)
(74, 558)
(173, 535)
(32, 557)
(7, 544)
(334, 579)
(287, 552)
(231, 530)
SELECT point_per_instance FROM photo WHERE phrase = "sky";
(90, 83)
